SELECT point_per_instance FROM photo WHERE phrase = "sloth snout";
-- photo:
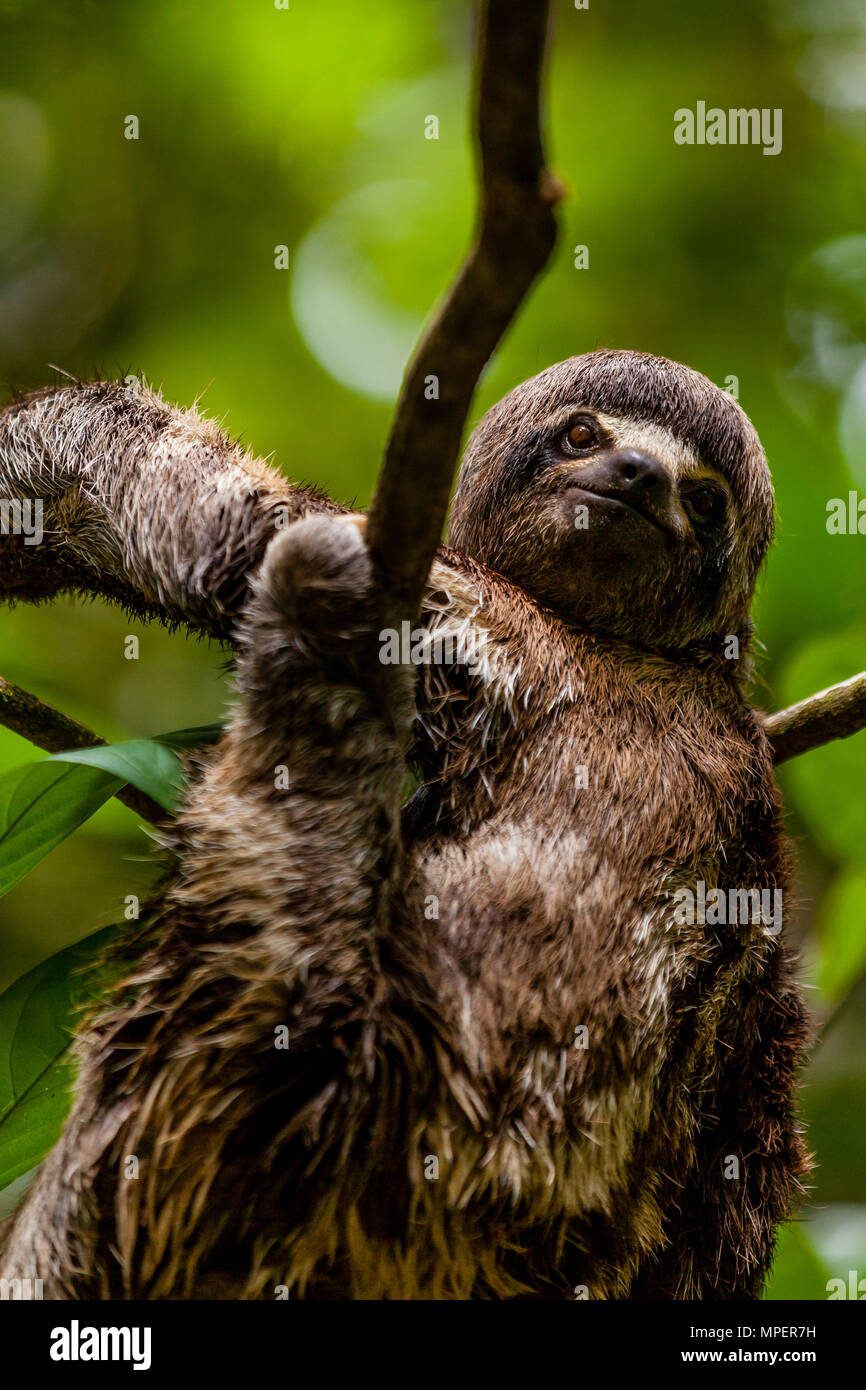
(631, 472)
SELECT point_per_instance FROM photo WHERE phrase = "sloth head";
(625, 492)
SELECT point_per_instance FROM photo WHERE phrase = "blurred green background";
(305, 128)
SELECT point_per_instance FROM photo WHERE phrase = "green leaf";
(43, 802)
(37, 1016)
(40, 804)
(151, 764)
(146, 763)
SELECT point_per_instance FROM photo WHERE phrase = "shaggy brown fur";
(440, 1125)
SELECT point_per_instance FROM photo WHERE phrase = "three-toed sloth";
(515, 1067)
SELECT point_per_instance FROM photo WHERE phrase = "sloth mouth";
(645, 513)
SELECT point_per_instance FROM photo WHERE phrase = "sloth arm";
(143, 503)
(280, 918)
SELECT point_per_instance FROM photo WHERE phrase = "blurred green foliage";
(304, 128)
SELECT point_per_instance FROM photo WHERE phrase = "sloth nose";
(638, 474)
(633, 479)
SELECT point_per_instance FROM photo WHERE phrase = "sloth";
(464, 1046)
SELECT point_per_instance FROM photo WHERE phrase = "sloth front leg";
(293, 851)
(316, 748)
(252, 1062)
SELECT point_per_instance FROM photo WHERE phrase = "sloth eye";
(705, 504)
(581, 437)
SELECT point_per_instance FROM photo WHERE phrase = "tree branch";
(54, 732)
(831, 714)
(516, 233)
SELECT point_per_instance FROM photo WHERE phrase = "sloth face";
(626, 493)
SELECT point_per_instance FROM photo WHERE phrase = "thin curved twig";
(516, 234)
